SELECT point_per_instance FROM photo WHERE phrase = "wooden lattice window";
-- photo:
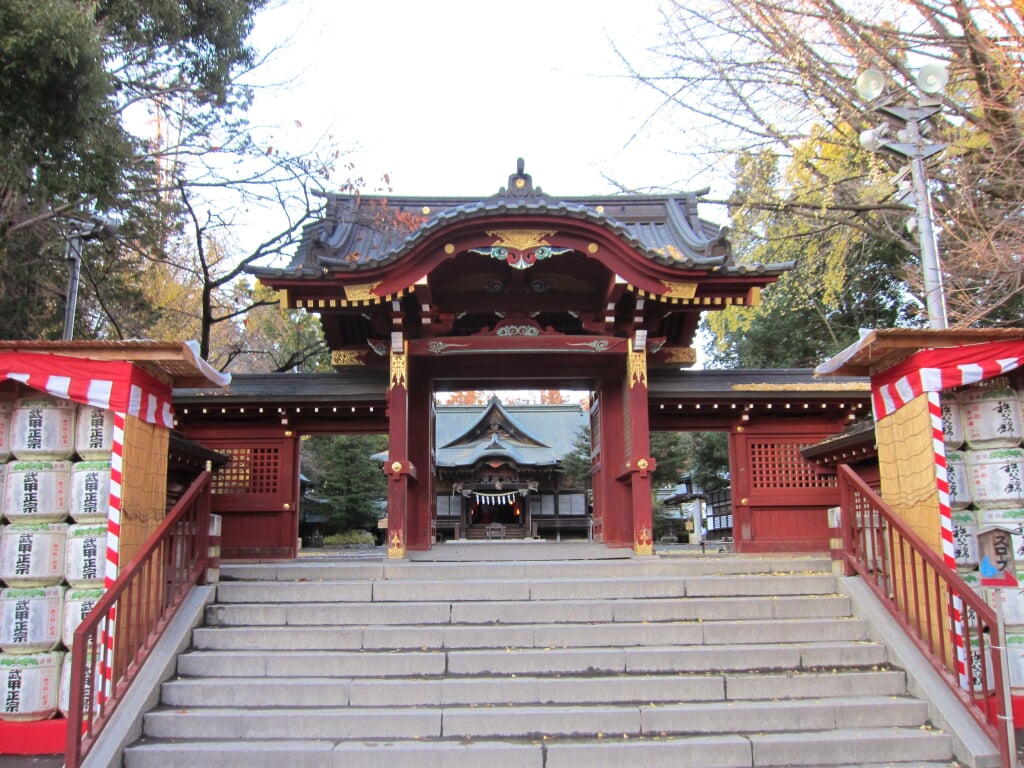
(780, 465)
(248, 471)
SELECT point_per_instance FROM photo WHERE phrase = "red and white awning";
(114, 385)
(935, 370)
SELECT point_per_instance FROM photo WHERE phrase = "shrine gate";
(522, 290)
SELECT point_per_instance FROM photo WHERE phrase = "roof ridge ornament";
(520, 183)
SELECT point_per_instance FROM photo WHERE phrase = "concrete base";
(464, 550)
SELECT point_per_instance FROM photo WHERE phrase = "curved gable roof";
(494, 414)
(364, 233)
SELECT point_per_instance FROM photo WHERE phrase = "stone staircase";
(709, 662)
(479, 532)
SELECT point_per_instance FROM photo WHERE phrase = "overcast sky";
(444, 96)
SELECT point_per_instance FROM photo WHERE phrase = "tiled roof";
(359, 233)
(538, 435)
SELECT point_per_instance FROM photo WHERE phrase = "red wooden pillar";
(639, 462)
(398, 468)
(613, 515)
(420, 481)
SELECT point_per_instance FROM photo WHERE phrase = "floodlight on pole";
(909, 142)
(77, 233)
(870, 84)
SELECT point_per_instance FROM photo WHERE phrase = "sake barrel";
(1015, 658)
(30, 685)
(43, 428)
(965, 538)
(997, 477)
(85, 555)
(64, 703)
(991, 418)
(970, 576)
(31, 619)
(37, 491)
(32, 554)
(90, 491)
(1012, 603)
(1013, 599)
(77, 604)
(958, 479)
(952, 421)
(5, 431)
(94, 434)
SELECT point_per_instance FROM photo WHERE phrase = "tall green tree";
(349, 485)
(704, 456)
(73, 76)
(778, 75)
(577, 467)
(841, 278)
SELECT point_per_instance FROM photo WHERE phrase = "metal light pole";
(911, 144)
(79, 232)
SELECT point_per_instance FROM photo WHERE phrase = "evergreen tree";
(348, 485)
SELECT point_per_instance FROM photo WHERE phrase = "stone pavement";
(31, 761)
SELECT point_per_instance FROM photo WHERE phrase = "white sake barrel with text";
(1015, 658)
(997, 477)
(30, 685)
(6, 412)
(43, 428)
(85, 555)
(31, 619)
(94, 434)
(90, 491)
(37, 491)
(952, 421)
(64, 704)
(958, 479)
(32, 554)
(77, 604)
(991, 418)
(1013, 598)
(965, 538)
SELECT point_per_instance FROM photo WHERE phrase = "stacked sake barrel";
(55, 481)
(983, 430)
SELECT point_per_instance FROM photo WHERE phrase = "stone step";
(380, 570)
(521, 721)
(855, 748)
(529, 612)
(465, 636)
(691, 661)
(611, 588)
(371, 692)
(530, 661)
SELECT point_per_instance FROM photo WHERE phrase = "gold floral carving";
(644, 543)
(399, 370)
(341, 357)
(521, 239)
(679, 290)
(364, 292)
(637, 362)
(396, 544)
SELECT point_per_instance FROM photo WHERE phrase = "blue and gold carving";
(521, 249)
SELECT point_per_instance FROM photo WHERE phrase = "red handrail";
(114, 640)
(945, 618)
